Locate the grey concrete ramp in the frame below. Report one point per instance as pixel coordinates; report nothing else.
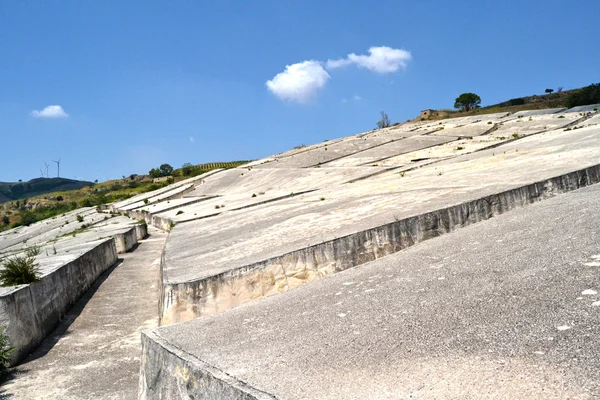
(504, 309)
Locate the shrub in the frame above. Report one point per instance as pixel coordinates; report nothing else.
(19, 270)
(59, 198)
(86, 203)
(179, 212)
(79, 218)
(516, 102)
(384, 122)
(5, 350)
(33, 251)
(515, 135)
(587, 95)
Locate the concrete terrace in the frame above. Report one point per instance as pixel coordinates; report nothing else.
(280, 222)
(406, 261)
(507, 308)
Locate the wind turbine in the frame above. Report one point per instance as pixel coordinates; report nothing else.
(58, 166)
(47, 174)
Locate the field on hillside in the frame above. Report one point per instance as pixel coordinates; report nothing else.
(26, 211)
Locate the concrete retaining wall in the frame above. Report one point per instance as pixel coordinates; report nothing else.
(126, 240)
(141, 231)
(167, 372)
(31, 312)
(188, 300)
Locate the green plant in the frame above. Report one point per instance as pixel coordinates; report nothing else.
(217, 206)
(562, 116)
(253, 194)
(516, 102)
(172, 225)
(86, 203)
(587, 95)
(179, 212)
(460, 148)
(19, 270)
(515, 135)
(146, 201)
(5, 350)
(490, 122)
(322, 198)
(79, 218)
(33, 251)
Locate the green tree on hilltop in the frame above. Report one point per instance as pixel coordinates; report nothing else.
(467, 102)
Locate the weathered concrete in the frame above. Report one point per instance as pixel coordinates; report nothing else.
(72, 254)
(30, 312)
(504, 309)
(95, 351)
(238, 256)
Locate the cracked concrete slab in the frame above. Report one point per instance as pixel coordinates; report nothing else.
(500, 309)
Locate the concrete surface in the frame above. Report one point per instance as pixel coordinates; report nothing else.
(30, 312)
(72, 255)
(226, 264)
(94, 353)
(504, 309)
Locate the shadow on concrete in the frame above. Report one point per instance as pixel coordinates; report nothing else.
(134, 247)
(8, 376)
(62, 329)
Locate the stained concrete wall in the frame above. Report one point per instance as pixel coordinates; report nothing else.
(141, 231)
(169, 373)
(188, 300)
(31, 312)
(125, 241)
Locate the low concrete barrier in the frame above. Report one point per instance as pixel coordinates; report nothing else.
(126, 241)
(170, 373)
(31, 312)
(187, 300)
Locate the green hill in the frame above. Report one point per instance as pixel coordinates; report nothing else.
(20, 190)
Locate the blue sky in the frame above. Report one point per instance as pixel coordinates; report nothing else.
(140, 83)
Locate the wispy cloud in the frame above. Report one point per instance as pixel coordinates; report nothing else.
(356, 98)
(299, 82)
(54, 111)
(380, 59)
(191, 139)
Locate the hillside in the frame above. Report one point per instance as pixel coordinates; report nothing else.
(23, 203)
(560, 99)
(38, 186)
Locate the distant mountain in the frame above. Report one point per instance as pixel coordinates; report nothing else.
(20, 190)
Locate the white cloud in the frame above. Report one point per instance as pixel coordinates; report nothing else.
(357, 97)
(50, 112)
(344, 100)
(299, 82)
(381, 59)
(191, 139)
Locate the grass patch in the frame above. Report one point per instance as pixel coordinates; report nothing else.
(19, 270)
